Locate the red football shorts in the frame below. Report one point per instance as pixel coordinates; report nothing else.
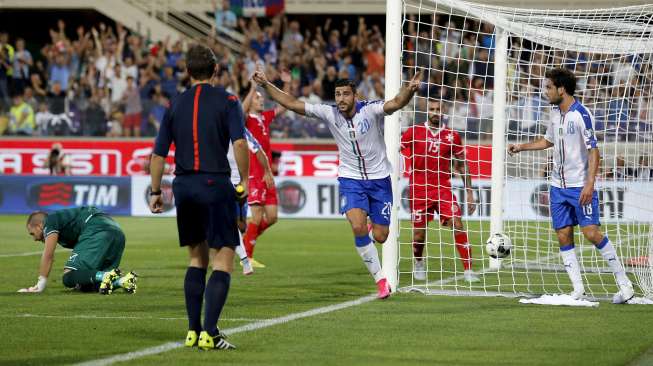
(426, 201)
(260, 194)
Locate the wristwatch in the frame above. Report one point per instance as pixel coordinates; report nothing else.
(155, 193)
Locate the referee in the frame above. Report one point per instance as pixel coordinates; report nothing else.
(201, 122)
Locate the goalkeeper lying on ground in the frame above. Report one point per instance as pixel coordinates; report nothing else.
(97, 243)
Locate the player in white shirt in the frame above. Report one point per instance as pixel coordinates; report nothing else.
(572, 197)
(241, 208)
(364, 169)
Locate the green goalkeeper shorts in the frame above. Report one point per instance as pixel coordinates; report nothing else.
(99, 248)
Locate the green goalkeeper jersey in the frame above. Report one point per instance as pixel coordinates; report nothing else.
(71, 222)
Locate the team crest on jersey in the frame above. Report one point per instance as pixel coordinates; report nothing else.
(363, 126)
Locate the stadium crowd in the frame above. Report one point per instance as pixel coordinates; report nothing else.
(108, 81)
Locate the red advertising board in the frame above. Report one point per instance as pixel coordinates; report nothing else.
(129, 157)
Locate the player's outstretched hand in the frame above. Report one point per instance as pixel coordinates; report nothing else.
(413, 85)
(513, 149)
(156, 204)
(33, 290)
(259, 76)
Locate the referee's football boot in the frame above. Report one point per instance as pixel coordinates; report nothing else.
(106, 286)
(219, 341)
(191, 339)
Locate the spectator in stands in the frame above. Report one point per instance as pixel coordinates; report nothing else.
(620, 171)
(22, 62)
(5, 67)
(644, 171)
(40, 90)
(169, 82)
(117, 82)
(225, 19)
(21, 117)
(29, 98)
(95, 119)
(132, 100)
(60, 71)
(42, 119)
(292, 38)
(60, 123)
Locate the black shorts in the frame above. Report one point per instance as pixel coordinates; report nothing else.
(206, 204)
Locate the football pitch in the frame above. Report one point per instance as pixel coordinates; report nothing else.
(310, 306)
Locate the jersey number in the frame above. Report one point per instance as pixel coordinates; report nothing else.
(434, 146)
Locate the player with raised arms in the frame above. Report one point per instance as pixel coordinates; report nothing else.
(364, 169)
(432, 148)
(572, 197)
(262, 197)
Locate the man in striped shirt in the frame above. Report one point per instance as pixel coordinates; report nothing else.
(572, 196)
(364, 169)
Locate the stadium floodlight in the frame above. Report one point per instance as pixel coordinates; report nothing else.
(485, 65)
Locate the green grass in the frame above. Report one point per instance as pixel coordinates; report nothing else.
(310, 264)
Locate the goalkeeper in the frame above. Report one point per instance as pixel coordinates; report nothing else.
(97, 243)
(572, 196)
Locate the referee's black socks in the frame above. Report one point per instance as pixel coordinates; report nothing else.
(215, 296)
(194, 285)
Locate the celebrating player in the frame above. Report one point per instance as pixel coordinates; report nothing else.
(364, 169)
(262, 197)
(432, 148)
(97, 243)
(573, 199)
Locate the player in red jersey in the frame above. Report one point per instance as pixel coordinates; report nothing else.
(432, 148)
(262, 199)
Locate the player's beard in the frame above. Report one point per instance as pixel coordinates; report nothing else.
(556, 101)
(347, 108)
(434, 121)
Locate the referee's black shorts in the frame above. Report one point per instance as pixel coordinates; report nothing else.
(206, 206)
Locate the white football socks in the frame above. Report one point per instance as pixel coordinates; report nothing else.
(610, 255)
(370, 257)
(572, 267)
(240, 250)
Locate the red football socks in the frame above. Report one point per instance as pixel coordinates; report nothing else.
(464, 250)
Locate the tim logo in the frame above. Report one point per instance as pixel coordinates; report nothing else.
(61, 195)
(54, 194)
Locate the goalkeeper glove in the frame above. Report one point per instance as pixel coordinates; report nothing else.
(39, 287)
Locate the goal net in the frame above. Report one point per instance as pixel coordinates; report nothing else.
(484, 66)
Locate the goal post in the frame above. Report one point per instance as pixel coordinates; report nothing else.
(498, 138)
(485, 66)
(390, 251)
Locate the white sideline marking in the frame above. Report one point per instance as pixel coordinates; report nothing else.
(245, 328)
(82, 316)
(19, 254)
